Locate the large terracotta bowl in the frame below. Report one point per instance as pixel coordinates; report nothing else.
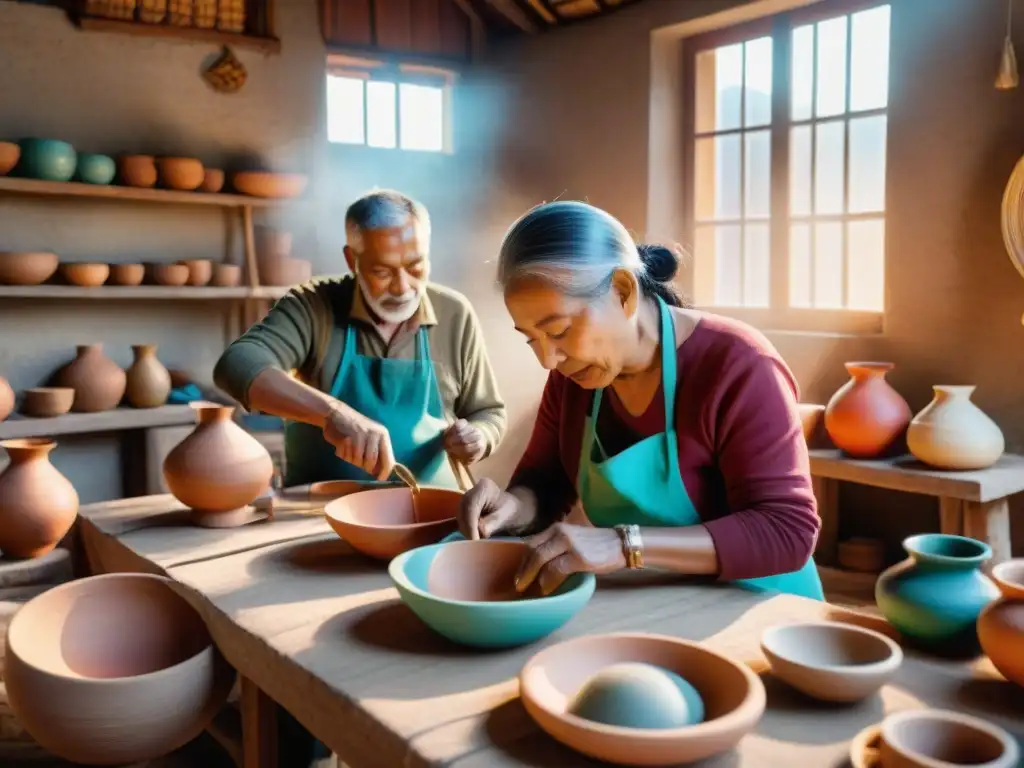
(85, 275)
(23, 268)
(272, 185)
(181, 173)
(932, 738)
(382, 523)
(113, 669)
(734, 698)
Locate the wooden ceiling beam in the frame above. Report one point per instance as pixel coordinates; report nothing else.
(543, 9)
(477, 29)
(511, 11)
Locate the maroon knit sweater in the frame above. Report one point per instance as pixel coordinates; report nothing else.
(742, 454)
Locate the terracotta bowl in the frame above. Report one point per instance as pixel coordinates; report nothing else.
(181, 173)
(213, 180)
(9, 154)
(113, 669)
(285, 271)
(464, 591)
(381, 522)
(734, 698)
(335, 489)
(25, 268)
(931, 738)
(47, 402)
(831, 661)
(265, 184)
(1009, 577)
(174, 275)
(127, 274)
(226, 275)
(85, 275)
(200, 271)
(137, 170)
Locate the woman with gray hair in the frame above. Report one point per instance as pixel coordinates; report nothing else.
(675, 430)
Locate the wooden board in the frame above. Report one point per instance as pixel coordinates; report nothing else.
(117, 420)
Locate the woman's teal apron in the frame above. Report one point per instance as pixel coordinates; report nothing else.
(642, 485)
(400, 394)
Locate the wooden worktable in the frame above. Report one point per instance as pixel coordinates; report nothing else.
(320, 630)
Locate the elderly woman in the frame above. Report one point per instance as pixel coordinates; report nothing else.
(676, 431)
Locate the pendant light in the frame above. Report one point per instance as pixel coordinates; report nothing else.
(1007, 79)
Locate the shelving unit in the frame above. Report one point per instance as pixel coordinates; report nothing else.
(17, 426)
(265, 45)
(11, 185)
(139, 292)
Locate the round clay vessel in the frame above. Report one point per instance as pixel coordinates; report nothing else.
(6, 399)
(98, 381)
(9, 154)
(213, 180)
(47, 402)
(831, 661)
(219, 469)
(953, 433)
(113, 669)
(95, 169)
(936, 594)
(199, 271)
(148, 382)
(1001, 624)
(23, 268)
(734, 698)
(636, 695)
(866, 416)
(810, 419)
(264, 184)
(226, 275)
(127, 274)
(934, 738)
(85, 275)
(38, 505)
(137, 170)
(181, 173)
(47, 159)
(173, 275)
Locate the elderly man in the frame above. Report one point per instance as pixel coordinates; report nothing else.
(372, 368)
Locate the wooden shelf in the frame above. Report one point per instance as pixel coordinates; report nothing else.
(11, 185)
(139, 293)
(265, 45)
(117, 420)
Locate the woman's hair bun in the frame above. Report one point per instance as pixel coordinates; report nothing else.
(661, 263)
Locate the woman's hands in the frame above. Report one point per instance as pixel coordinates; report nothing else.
(486, 510)
(565, 549)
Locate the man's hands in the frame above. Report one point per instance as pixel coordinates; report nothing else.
(360, 441)
(464, 442)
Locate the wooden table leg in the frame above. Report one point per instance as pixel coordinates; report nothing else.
(951, 516)
(259, 727)
(826, 491)
(989, 522)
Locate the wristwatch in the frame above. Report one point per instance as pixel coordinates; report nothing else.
(632, 545)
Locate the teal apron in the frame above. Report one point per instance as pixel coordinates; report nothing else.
(400, 394)
(642, 485)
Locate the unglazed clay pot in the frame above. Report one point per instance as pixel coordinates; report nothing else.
(172, 275)
(9, 154)
(47, 402)
(148, 382)
(226, 275)
(127, 274)
(219, 469)
(199, 271)
(85, 275)
(137, 170)
(213, 180)
(866, 416)
(932, 738)
(181, 173)
(24, 268)
(98, 381)
(272, 185)
(113, 669)
(953, 433)
(38, 505)
(1001, 624)
(6, 399)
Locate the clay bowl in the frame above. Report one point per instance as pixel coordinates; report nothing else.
(174, 275)
(213, 180)
(85, 275)
(137, 170)
(181, 173)
(9, 154)
(226, 275)
(931, 738)
(24, 268)
(127, 274)
(47, 402)
(464, 591)
(734, 698)
(113, 669)
(381, 522)
(200, 271)
(1009, 577)
(335, 489)
(831, 661)
(265, 184)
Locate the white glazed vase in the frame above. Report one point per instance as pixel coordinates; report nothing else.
(953, 433)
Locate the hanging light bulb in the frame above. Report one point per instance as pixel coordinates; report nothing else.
(1007, 79)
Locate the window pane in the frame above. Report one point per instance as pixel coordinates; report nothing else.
(867, 164)
(831, 77)
(421, 110)
(758, 82)
(728, 266)
(869, 59)
(756, 265)
(865, 266)
(380, 114)
(717, 178)
(704, 268)
(719, 88)
(802, 79)
(800, 171)
(758, 175)
(828, 168)
(828, 265)
(345, 116)
(800, 265)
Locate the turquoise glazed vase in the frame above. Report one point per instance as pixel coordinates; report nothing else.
(934, 597)
(47, 159)
(95, 169)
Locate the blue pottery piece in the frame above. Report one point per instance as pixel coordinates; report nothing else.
(486, 624)
(95, 169)
(638, 695)
(46, 159)
(936, 595)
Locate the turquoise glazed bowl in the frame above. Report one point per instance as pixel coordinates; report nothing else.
(935, 596)
(501, 622)
(47, 159)
(95, 169)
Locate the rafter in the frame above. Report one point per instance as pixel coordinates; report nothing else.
(515, 14)
(543, 9)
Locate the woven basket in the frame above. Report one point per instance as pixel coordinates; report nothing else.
(205, 13)
(179, 12)
(111, 9)
(152, 11)
(231, 15)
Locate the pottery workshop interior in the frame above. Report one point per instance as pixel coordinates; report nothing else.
(505, 383)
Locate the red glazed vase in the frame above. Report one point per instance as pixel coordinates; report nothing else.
(866, 416)
(38, 505)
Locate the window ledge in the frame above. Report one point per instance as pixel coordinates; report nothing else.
(826, 323)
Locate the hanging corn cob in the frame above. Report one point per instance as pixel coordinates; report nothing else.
(111, 9)
(179, 12)
(152, 11)
(231, 15)
(205, 13)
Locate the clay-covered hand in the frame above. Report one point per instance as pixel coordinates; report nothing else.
(564, 549)
(464, 442)
(360, 441)
(486, 510)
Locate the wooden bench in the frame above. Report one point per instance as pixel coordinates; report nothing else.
(973, 503)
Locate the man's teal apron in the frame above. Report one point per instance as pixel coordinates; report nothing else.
(400, 394)
(642, 485)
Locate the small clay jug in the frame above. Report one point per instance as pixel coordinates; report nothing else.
(1001, 624)
(6, 399)
(866, 417)
(953, 433)
(148, 382)
(38, 504)
(98, 381)
(219, 469)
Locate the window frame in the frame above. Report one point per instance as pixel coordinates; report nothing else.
(779, 315)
